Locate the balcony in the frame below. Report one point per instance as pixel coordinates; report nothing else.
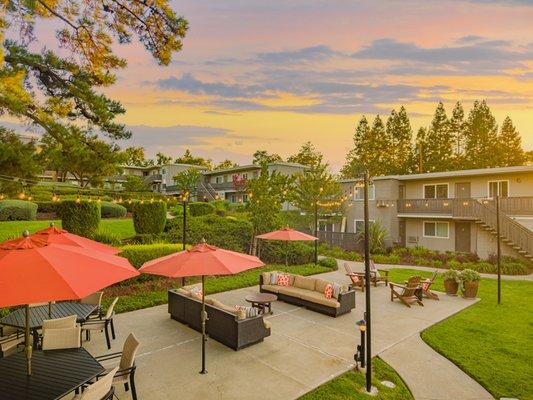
(223, 186)
(462, 208)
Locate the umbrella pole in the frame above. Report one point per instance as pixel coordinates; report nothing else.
(50, 309)
(204, 318)
(27, 340)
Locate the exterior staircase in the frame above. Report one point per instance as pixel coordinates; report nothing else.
(512, 233)
(205, 189)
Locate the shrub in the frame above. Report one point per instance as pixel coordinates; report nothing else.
(198, 209)
(47, 206)
(109, 238)
(384, 259)
(514, 268)
(454, 264)
(17, 210)
(177, 210)
(276, 251)
(130, 204)
(451, 275)
(337, 252)
(138, 254)
(328, 262)
(81, 218)
(148, 238)
(149, 217)
(419, 251)
(469, 275)
(225, 232)
(112, 210)
(376, 237)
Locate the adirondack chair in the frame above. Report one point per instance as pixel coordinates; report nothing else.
(376, 274)
(357, 278)
(426, 284)
(409, 293)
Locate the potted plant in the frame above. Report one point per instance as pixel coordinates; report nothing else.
(469, 283)
(451, 282)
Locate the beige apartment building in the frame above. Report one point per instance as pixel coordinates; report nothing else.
(449, 211)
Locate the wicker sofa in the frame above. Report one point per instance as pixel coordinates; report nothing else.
(309, 293)
(224, 325)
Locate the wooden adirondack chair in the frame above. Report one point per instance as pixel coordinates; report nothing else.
(357, 278)
(378, 275)
(425, 286)
(409, 293)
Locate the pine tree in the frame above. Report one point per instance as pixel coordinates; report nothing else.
(356, 157)
(418, 155)
(457, 129)
(399, 136)
(481, 133)
(438, 144)
(510, 152)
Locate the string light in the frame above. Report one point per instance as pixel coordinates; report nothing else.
(22, 195)
(129, 200)
(78, 199)
(30, 197)
(2, 196)
(99, 200)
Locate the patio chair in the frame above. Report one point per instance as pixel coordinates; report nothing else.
(101, 389)
(425, 286)
(96, 300)
(126, 367)
(102, 324)
(10, 338)
(63, 338)
(375, 274)
(57, 323)
(357, 278)
(409, 292)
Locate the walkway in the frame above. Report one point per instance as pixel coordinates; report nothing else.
(305, 349)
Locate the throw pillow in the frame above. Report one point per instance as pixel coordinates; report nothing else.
(425, 284)
(283, 280)
(196, 291)
(328, 291)
(273, 278)
(248, 311)
(336, 290)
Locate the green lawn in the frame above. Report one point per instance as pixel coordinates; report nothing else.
(349, 385)
(12, 229)
(493, 344)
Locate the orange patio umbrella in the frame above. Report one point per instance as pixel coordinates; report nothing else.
(201, 260)
(56, 235)
(32, 271)
(286, 234)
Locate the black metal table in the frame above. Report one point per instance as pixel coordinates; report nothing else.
(38, 314)
(55, 373)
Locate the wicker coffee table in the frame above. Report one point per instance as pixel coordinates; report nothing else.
(262, 301)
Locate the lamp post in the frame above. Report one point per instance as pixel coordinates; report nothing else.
(360, 353)
(367, 288)
(316, 224)
(184, 198)
(498, 247)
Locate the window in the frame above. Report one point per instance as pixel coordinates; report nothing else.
(500, 188)
(436, 229)
(245, 198)
(436, 191)
(360, 225)
(245, 176)
(359, 193)
(218, 179)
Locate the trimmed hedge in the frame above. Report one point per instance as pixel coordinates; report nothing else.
(149, 217)
(47, 206)
(138, 254)
(329, 262)
(17, 210)
(198, 209)
(80, 218)
(112, 210)
(275, 251)
(225, 232)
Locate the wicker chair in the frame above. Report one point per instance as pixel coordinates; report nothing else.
(102, 324)
(94, 299)
(59, 323)
(101, 389)
(126, 367)
(63, 338)
(10, 338)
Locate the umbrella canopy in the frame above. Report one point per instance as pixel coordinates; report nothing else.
(32, 271)
(201, 260)
(56, 235)
(286, 234)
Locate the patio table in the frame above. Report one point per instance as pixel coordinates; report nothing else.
(38, 314)
(55, 373)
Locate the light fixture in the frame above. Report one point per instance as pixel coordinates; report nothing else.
(22, 195)
(78, 199)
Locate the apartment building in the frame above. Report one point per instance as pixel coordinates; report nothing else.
(449, 211)
(230, 184)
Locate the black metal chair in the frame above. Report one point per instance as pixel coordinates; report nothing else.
(102, 324)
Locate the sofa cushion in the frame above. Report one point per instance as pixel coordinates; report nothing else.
(292, 291)
(271, 288)
(291, 279)
(320, 285)
(267, 324)
(266, 278)
(304, 283)
(319, 298)
(183, 292)
(224, 307)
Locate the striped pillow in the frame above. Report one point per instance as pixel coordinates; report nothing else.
(249, 311)
(336, 290)
(274, 278)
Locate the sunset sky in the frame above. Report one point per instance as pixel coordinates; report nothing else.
(273, 74)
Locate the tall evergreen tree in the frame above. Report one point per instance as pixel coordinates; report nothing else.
(399, 136)
(457, 129)
(481, 133)
(438, 143)
(510, 152)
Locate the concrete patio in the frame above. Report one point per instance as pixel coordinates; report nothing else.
(305, 349)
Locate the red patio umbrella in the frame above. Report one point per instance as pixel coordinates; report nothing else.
(286, 234)
(32, 271)
(201, 260)
(56, 235)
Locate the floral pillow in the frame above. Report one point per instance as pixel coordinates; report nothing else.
(425, 285)
(328, 291)
(283, 280)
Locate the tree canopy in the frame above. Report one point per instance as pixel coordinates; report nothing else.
(188, 158)
(306, 155)
(263, 157)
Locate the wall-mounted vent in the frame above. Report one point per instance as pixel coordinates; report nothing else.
(412, 239)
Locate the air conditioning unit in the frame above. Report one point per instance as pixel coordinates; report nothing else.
(412, 239)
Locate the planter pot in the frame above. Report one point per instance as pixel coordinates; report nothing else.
(451, 288)
(470, 289)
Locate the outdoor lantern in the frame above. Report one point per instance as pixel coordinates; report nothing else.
(359, 356)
